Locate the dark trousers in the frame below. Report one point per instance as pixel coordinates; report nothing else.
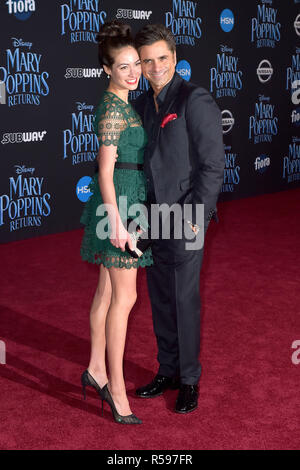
(173, 283)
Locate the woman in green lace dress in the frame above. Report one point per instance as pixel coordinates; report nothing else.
(119, 183)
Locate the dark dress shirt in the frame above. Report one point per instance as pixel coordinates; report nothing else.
(152, 122)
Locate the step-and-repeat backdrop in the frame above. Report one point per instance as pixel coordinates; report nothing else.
(245, 53)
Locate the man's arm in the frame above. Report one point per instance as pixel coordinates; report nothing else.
(205, 131)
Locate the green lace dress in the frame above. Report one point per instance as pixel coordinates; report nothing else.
(116, 123)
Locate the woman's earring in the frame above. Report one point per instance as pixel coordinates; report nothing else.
(108, 76)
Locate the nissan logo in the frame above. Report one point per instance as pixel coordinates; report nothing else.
(297, 25)
(264, 71)
(227, 121)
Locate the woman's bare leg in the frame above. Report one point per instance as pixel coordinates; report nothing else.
(98, 314)
(123, 282)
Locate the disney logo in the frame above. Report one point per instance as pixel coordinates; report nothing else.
(23, 169)
(296, 139)
(267, 1)
(264, 98)
(227, 147)
(20, 43)
(226, 49)
(298, 50)
(82, 106)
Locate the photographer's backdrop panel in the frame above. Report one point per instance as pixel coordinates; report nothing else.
(245, 53)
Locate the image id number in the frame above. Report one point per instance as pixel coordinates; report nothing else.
(171, 459)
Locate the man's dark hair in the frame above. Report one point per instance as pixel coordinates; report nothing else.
(152, 33)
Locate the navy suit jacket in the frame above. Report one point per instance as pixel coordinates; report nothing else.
(187, 163)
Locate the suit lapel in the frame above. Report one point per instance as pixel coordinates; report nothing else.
(169, 99)
(171, 96)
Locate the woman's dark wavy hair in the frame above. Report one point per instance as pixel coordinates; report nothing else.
(113, 36)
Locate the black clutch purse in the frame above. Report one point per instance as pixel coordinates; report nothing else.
(140, 239)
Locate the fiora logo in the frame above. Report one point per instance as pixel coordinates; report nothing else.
(227, 20)
(22, 9)
(184, 70)
(82, 191)
(264, 71)
(261, 163)
(295, 117)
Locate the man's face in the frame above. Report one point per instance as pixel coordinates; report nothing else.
(158, 63)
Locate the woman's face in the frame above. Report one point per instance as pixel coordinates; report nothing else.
(126, 69)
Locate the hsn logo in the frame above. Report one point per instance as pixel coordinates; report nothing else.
(82, 191)
(227, 20)
(184, 70)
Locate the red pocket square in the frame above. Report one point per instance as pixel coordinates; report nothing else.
(168, 118)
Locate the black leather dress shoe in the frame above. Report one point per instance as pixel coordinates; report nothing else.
(159, 384)
(187, 399)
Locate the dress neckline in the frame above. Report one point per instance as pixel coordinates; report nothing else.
(111, 93)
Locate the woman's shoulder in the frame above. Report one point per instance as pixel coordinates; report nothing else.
(110, 105)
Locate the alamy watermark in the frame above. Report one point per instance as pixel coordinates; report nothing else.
(2, 352)
(296, 354)
(166, 222)
(2, 92)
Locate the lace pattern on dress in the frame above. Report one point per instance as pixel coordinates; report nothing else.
(113, 117)
(123, 261)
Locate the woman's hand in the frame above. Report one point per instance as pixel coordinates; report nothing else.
(119, 237)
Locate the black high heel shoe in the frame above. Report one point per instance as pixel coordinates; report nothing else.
(87, 379)
(130, 419)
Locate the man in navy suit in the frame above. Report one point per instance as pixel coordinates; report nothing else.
(184, 164)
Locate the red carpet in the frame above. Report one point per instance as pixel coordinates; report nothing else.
(249, 390)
